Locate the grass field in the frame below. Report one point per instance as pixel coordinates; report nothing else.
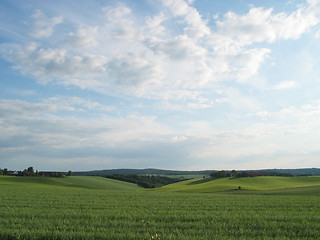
(46, 208)
(89, 182)
(249, 183)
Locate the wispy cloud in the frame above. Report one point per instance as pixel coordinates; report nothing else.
(43, 25)
(55, 64)
(83, 38)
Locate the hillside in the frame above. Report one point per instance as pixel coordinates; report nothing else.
(88, 182)
(309, 185)
(246, 184)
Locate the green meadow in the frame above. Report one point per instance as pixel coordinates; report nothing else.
(90, 182)
(100, 208)
(247, 184)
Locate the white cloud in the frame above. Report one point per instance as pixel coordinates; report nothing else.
(197, 27)
(245, 29)
(135, 71)
(18, 108)
(44, 26)
(56, 64)
(122, 26)
(172, 51)
(42, 119)
(285, 85)
(263, 114)
(153, 25)
(178, 139)
(245, 64)
(35, 130)
(83, 38)
(259, 25)
(178, 48)
(275, 139)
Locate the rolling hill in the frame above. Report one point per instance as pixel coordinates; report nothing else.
(248, 185)
(268, 185)
(88, 182)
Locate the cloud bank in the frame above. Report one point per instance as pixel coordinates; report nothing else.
(170, 88)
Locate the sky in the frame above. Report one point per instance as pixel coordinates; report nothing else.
(170, 84)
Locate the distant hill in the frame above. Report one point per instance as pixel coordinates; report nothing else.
(249, 185)
(152, 171)
(297, 172)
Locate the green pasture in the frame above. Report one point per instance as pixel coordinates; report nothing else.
(247, 184)
(98, 208)
(293, 191)
(89, 182)
(34, 212)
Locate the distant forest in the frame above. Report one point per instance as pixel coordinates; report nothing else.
(30, 172)
(145, 181)
(168, 173)
(147, 171)
(205, 173)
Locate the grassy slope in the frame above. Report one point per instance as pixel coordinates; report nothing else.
(252, 184)
(297, 191)
(89, 182)
(256, 185)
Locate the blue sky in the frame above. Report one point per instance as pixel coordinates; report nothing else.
(166, 84)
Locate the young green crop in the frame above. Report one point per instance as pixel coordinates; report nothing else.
(248, 183)
(89, 182)
(33, 212)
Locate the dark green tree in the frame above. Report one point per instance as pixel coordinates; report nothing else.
(218, 174)
(30, 170)
(60, 174)
(234, 173)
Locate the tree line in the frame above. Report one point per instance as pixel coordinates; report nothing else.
(238, 174)
(145, 181)
(30, 172)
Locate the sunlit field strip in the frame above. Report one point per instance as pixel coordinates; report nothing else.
(248, 183)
